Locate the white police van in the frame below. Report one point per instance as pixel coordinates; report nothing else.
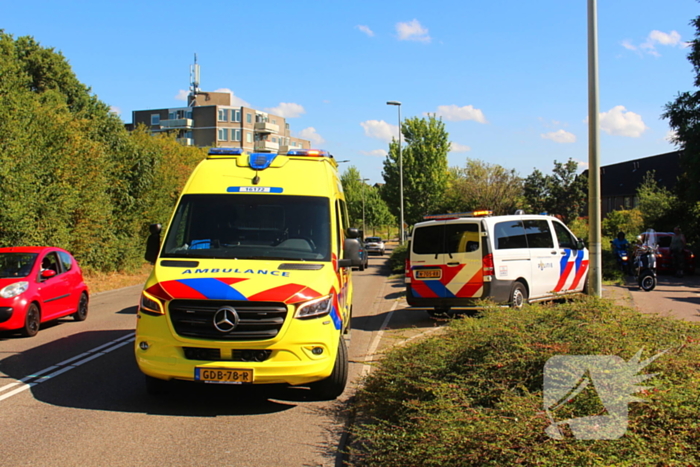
(459, 260)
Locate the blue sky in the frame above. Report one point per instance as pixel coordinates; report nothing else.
(508, 77)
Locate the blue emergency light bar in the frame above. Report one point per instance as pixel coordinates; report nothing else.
(309, 152)
(261, 160)
(225, 151)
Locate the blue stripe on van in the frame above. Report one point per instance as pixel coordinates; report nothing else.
(213, 289)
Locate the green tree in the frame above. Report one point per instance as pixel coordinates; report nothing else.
(563, 193)
(352, 187)
(377, 214)
(481, 185)
(655, 203)
(683, 114)
(424, 161)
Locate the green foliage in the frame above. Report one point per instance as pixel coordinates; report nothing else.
(397, 260)
(72, 176)
(472, 396)
(683, 114)
(561, 194)
(629, 221)
(481, 185)
(424, 164)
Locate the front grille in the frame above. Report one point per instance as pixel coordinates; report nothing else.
(237, 355)
(257, 320)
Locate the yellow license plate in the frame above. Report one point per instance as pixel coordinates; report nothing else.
(223, 375)
(428, 274)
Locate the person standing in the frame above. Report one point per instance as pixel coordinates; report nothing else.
(677, 246)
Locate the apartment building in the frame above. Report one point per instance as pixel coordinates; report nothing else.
(211, 120)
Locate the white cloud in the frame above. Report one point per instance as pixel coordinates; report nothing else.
(182, 95)
(310, 134)
(456, 147)
(235, 100)
(412, 31)
(654, 39)
(287, 110)
(582, 165)
(115, 110)
(618, 121)
(379, 129)
(560, 136)
(671, 136)
(375, 153)
(365, 29)
(453, 113)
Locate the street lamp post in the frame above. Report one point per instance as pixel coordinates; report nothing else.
(401, 238)
(363, 180)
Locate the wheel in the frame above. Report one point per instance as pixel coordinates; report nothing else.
(333, 386)
(32, 321)
(518, 295)
(82, 311)
(155, 386)
(647, 282)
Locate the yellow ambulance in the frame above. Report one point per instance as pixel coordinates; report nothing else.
(252, 281)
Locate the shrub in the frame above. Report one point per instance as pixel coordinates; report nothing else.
(473, 396)
(397, 260)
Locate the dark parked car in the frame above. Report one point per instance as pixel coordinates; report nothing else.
(39, 284)
(664, 261)
(374, 245)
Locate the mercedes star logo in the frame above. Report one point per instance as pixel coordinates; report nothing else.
(226, 319)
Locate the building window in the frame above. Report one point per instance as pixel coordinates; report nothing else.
(249, 137)
(172, 115)
(235, 135)
(235, 115)
(187, 134)
(223, 115)
(223, 134)
(155, 119)
(249, 118)
(188, 114)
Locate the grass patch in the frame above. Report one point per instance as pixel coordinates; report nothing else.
(473, 396)
(103, 281)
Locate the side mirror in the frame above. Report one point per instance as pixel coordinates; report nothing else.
(353, 232)
(351, 253)
(580, 245)
(153, 243)
(47, 273)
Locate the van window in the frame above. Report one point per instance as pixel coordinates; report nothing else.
(462, 238)
(510, 235)
(428, 240)
(538, 234)
(564, 237)
(248, 226)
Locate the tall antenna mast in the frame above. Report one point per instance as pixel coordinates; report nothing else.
(194, 81)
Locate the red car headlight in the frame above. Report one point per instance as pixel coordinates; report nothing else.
(15, 289)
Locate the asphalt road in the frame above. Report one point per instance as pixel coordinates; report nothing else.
(73, 395)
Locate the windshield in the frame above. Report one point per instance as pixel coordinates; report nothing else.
(250, 226)
(16, 264)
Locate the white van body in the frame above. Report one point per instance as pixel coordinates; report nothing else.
(459, 261)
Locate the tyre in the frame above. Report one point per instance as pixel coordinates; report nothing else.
(333, 386)
(518, 295)
(32, 321)
(647, 282)
(82, 311)
(155, 386)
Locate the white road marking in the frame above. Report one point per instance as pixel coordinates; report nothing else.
(66, 365)
(375, 342)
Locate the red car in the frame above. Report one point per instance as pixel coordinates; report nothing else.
(664, 262)
(39, 284)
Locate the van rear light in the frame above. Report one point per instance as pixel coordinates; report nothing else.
(487, 264)
(407, 270)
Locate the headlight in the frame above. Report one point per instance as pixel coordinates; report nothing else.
(315, 308)
(15, 289)
(150, 304)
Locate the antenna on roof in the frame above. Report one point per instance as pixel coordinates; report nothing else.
(194, 81)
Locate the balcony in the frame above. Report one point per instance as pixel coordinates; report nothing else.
(266, 146)
(185, 141)
(176, 124)
(266, 127)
